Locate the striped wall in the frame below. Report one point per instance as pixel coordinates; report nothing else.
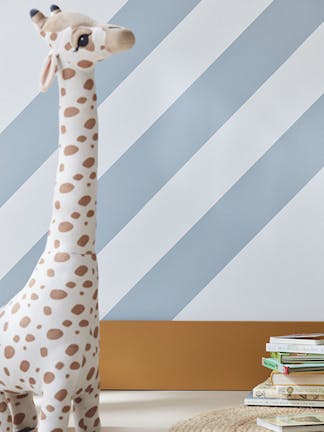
(211, 191)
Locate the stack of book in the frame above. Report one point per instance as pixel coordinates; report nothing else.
(297, 377)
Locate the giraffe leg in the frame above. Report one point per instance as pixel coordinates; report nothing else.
(86, 410)
(54, 414)
(5, 414)
(23, 410)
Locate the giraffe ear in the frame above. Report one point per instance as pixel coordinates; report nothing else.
(48, 71)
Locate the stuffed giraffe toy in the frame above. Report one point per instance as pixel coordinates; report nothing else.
(49, 339)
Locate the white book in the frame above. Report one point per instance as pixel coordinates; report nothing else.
(294, 422)
(302, 338)
(250, 400)
(297, 348)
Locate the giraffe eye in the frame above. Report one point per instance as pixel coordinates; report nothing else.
(83, 40)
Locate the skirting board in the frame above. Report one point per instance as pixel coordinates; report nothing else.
(188, 355)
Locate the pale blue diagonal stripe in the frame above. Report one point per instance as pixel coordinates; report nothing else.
(230, 225)
(28, 141)
(254, 56)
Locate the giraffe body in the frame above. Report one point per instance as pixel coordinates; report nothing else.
(49, 342)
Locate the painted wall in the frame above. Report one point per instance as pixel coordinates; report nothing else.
(211, 158)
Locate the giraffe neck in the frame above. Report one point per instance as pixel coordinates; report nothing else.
(73, 222)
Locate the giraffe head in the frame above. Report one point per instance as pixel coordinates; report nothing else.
(77, 40)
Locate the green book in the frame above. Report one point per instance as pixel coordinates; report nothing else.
(286, 357)
(275, 365)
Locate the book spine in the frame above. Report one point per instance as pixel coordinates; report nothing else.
(276, 394)
(296, 379)
(295, 348)
(299, 341)
(299, 390)
(284, 357)
(284, 402)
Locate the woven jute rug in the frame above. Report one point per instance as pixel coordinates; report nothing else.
(234, 419)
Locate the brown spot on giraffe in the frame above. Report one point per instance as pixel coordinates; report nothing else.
(84, 201)
(9, 351)
(18, 418)
(70, 150)
(81, 270)
(48, 377)
(81, 138)
(24, 365)
(47, 310)
(88, 85)
(71, 111)
(24, 322)
(57, 294)
(50, 273)
(89, 162)
(54, 334)
(83, 240)
(78, 177)
(67, 323)
(91, 412)
(89, 124)
(77, 309)
(66, 187)
(59, 365)
(83, 323)
(68, 73)
(61, 395)
(85, 64)
(75, 365)
(65, 226)
(61, 257)
(72, 349)
(82, 100)
(44, 352)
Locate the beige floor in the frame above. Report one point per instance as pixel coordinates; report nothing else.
(156, 411)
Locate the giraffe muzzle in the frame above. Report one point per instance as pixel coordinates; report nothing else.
(119, 39)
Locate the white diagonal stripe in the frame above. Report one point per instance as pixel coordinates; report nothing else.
(281, 269)
(32, 50)
(281, 100)
(171, 58)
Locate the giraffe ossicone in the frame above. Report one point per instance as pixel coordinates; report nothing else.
(49, 341)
